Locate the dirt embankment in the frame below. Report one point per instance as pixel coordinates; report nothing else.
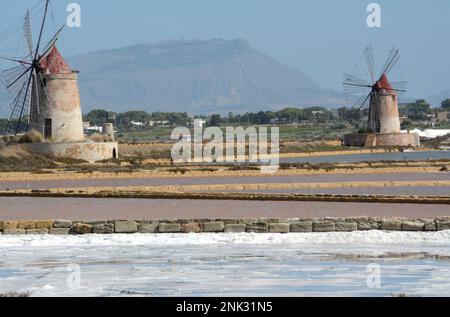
(18, 164)
(162, 151)
(66, 174)
(176, 194)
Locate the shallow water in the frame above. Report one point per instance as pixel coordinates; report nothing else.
(415, 264)
(13, 208)
(356, 158)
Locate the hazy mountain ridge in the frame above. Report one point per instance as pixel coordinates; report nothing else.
(194, 76)
(436, 100)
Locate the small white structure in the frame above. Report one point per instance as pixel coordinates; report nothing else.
(429, 133)
(199, 123)
(161, 123)
(93, 129)
(138, 124)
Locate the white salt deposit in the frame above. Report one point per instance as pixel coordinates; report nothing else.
(311, 264)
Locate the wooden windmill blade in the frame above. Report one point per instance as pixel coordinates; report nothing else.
(16, 80)
(370, 62)
(355, 87)
(34, 102)
(391, 61)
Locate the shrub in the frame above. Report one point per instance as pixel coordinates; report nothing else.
(97, 137)
(31, 136)
(10, 139)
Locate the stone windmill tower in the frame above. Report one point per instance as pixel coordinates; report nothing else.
(45, 98)
(383, 110)
(56, 110)
(382, 98)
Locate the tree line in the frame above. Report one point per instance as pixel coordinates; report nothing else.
(124, 120)
(420, 110)
(98, 117)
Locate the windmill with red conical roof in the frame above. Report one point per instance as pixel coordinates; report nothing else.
(381, 97)
(378, 93)
(44, 90)
(46, 98)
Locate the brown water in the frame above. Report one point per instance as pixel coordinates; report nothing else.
(187, 180)
(99, 209)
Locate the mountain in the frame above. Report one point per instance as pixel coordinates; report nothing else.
(436, 100)
(194, 76)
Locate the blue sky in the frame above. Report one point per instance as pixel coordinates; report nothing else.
(324, 38)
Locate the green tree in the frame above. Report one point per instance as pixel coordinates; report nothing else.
(3, 124)
(407, 125)
(291, 114)
(419, 110)
(446, 104)
(351, 115)
(216, 119)
(173, 117)
(231, 118)
(123, 120)
(99, 116)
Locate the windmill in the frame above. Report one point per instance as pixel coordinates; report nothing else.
(46, 98)
(378, 93)
(23, 81)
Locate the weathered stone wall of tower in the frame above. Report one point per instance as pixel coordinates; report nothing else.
(382, 140)
(388, 113)
(59, 115)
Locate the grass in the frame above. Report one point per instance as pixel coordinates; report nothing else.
(147, 135)
(312, 147)
(286, 133)
(16, 158)
(8, 164)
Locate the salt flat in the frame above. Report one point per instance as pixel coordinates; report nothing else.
(328, 264)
